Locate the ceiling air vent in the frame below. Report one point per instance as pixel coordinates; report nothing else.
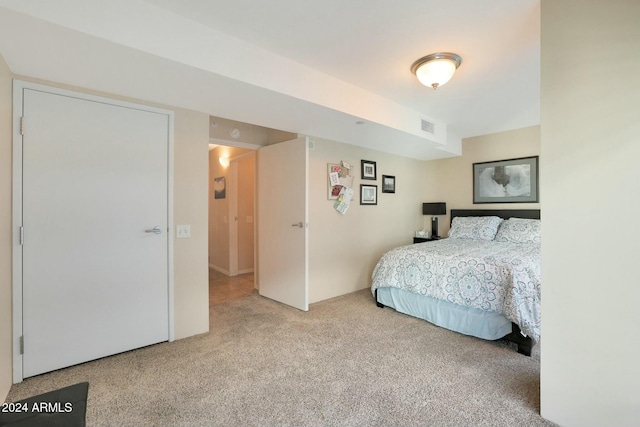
(426, 126)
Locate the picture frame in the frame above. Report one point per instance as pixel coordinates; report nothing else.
(368, 170)
(388, 184)
(338, 176)
(219, 188)
(506, 181)
(334, 186)
(368, 194)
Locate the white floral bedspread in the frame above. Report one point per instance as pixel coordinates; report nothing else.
(489, 275)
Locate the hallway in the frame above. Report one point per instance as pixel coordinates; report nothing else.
(223, 288)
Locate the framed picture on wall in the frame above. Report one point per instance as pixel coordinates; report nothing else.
(506, 181)
(388, 184)
(219, 188)
(368, 194)
(368, 170)
(338, 177)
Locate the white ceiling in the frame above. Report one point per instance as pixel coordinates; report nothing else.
(315, 67)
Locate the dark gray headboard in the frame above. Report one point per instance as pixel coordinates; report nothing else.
(502, 213)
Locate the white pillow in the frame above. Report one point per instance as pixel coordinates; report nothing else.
(519, 230)
(474, 227)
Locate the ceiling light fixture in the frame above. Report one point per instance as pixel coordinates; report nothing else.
(436, 69)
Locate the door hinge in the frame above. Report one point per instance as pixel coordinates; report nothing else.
(21, 125)
(21, 235)
(22, 344)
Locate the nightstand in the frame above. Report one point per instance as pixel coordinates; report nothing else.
(425, 239)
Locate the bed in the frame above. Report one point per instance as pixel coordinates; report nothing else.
(483, 281)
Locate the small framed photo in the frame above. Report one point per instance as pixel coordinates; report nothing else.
(368, 194)
(388, 184)
(219, 188)
(368, 170)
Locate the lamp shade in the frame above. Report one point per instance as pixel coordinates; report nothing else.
(439, 208)
(436, 69)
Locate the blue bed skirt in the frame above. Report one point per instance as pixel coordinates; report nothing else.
(487, 325)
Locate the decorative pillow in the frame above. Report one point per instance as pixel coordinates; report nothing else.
(519, 230)
(474, 227)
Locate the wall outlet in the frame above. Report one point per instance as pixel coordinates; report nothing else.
(183, 231)
(249, 220)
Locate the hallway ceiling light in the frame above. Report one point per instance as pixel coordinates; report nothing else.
(436, 69)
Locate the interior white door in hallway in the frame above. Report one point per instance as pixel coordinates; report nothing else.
(283, 266)
(95, 218)
(241, 192)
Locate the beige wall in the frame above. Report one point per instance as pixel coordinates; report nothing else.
(343, 249)
(6, 347)
(454, 176)
(191, 136)
(191, 275)
(590, 375)
(218, 214)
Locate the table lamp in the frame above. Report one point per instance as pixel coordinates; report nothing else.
(439, 208)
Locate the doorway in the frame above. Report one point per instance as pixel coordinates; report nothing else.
(231, 223)
(233, 166)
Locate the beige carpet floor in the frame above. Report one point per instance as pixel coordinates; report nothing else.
(346, 362)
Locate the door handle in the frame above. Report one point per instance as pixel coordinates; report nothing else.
(299, 224)
(154, 230)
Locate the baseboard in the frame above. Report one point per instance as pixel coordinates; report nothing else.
(221, 270)
(4, 389)
(227, 272)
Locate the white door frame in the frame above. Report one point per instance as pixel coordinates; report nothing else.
(18, 88)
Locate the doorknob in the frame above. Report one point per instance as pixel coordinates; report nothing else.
(154, 230)
(299, 224)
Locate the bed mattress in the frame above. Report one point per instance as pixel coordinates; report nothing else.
(500, 278)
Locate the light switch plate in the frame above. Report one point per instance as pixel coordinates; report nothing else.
(183, 231)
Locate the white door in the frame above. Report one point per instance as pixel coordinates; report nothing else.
(95, 217)
(282, 222)
(234, 216)
(241, 213)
